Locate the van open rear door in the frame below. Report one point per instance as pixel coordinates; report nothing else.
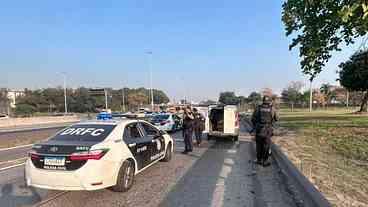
(230, 119)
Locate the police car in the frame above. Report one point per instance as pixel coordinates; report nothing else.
(96, 155)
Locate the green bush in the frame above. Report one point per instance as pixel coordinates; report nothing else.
(24, 110)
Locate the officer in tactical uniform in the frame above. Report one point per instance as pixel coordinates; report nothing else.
(188, 130)
(198, 125)
(263, 118)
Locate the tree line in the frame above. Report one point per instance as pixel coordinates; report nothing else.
(293, 96)
(80, 100)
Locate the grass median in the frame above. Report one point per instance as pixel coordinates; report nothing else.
(331, 149)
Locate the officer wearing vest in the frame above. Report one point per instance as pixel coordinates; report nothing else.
(263, 118)
(198, 125)
(188, 130)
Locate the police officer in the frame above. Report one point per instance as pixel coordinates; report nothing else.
(263, 118)
(188, 130)
(198, 126)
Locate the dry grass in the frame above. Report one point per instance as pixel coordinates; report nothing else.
(332, 151)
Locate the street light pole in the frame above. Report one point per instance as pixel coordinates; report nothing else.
(65, 103)
(310, 96)
(122, 91)
(105, 99)
(150, 71)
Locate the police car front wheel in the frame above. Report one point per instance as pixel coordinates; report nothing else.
(168, 154)
(125, 177)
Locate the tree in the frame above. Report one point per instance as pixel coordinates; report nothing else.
(320, 26)
(319, 98)
(328, 91)
(4, 101)
(160, 97)
(25, 110)
(228, 98)
(254, 98)
(292, 94)
(353, 75)
(304, 98)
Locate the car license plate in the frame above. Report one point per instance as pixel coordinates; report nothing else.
(54, 161)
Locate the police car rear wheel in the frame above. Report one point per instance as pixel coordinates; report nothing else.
(168, 154)
(125, 178)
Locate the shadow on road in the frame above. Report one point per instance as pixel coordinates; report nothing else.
(226, 176)
(218, 178)
(13, 195)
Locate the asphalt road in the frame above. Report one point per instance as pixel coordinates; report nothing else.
(220, 173)
(14, 193)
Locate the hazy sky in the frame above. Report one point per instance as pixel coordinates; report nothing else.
(199, 47)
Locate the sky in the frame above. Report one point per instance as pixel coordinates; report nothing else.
(199, 48)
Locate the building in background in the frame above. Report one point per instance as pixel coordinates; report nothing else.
(13, 95)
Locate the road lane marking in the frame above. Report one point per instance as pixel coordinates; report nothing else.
(13, 166)
(10, 148)
(9, 161)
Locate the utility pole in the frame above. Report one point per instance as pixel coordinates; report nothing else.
(122, 93)
(310, 96)
(105, 99)
(65, 103)
(150, 71)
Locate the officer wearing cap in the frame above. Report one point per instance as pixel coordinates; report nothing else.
(263, 119)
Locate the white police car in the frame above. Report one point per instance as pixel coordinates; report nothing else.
(96, 155)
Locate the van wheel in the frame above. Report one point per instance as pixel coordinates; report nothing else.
(236, 138)
(168, 154)
(125, 178)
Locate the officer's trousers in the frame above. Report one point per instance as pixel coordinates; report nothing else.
(198, 134)
(188, 141)
(263, 148)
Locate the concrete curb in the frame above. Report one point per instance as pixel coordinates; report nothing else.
(312, 196)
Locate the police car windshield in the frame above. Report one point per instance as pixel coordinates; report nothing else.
(84, 133)
(159, 118)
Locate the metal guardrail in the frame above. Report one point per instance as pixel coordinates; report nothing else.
(311, 196)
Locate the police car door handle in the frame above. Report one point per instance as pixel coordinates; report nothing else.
(117, 141)
(132, 145)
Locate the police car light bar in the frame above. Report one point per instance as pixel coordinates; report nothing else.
(104, 116)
